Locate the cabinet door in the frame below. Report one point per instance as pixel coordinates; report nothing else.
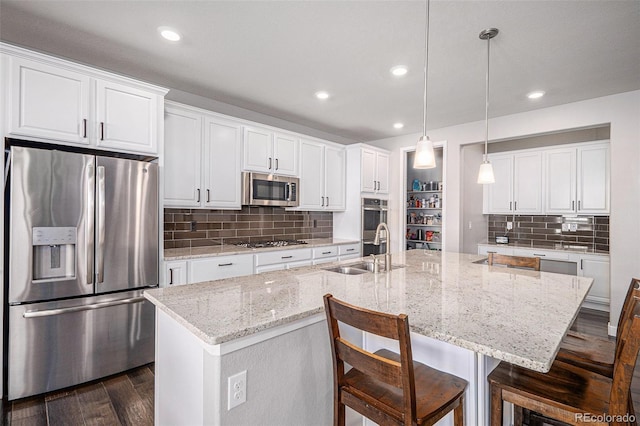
(598, 269)
(560, 181)
(335, 181)
(382, 172)
(500, 194)
(527, 183)
(593, 179)
(285, 153)
(311, 175)
(127, 118)
(368, 177)
(182, 153)
(222, 150)
(258, 150)
(175, 273)
(48, 102)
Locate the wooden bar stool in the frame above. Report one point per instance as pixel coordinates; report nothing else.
(596, 353)
(569, 393)
(384, 386)
(515, 261)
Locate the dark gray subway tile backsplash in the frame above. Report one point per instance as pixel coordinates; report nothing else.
(198, 228)
(591, 231)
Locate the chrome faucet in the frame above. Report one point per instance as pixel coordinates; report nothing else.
(376, 241)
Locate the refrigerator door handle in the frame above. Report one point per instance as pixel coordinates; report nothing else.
(90, 221)
(100, 212)
(89, 307)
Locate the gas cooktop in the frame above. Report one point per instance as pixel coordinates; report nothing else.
(275, 243)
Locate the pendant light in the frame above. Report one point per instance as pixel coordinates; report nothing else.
(485, 175)
(425, 157)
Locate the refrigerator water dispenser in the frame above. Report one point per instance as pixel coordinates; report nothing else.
(54, 253)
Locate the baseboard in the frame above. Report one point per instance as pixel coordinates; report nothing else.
(611, 329)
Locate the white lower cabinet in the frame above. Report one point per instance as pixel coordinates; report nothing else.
(175, 273)
(282, 259)
(219, 267)
(349, 251)
(596, 267)
(325, 254)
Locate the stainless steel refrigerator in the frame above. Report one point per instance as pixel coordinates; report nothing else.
(82, 247)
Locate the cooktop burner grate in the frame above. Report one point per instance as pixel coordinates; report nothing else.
(275, 243)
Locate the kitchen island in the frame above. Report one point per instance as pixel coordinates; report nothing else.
(464, 319)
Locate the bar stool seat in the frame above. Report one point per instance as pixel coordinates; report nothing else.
(436, 391)
(384, 386)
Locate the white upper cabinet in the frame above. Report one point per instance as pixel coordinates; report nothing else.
(285, 153)
(375, 171)
(183, 159)
(48, 102)
(499, 195)
(270, 152)
(221, 153)
(577, 180)
(560, 182)
(127, 117)
(335, 177)
(322, 176)
(202, 159)
(57, 101)
(572, 179)
(593, 179)
(527, 183)
(518, 185)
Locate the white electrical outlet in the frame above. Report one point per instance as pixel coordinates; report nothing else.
(509, 226)
(573, 227)
(237, 389)
(565, 227)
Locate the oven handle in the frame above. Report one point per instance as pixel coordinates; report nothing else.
(89, 307)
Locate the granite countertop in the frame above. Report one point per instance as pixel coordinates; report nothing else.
(228, 249)
(570, 248)
(513, 315)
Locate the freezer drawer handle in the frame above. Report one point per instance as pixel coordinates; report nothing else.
(90, 307)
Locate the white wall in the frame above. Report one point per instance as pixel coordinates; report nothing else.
(621, 111)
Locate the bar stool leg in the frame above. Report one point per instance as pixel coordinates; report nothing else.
(496, 406)
(458, 414)
(518, 416)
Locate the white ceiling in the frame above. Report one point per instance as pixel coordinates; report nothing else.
(272, 56)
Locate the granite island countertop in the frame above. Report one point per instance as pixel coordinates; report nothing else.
(513, 315)
(229, 249)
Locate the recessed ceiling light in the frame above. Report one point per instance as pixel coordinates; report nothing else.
(322, 95)
(399, 70)
(398, 125)
(169, 33)
(535, 95)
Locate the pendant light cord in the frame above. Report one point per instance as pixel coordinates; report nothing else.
(426, 70)
(486, 106)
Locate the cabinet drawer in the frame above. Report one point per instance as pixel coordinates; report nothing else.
(542, 254)
(283, 256)
(219, 267)
(494, 249)
(320, 252)
(349, 249)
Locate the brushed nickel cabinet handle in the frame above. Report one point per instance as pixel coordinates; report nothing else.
(579, 207)
(198, 192)
(322, 202)
(101, 131)
(269, 163)
(276, 164)
(170, 276)
(208, 196)
(573, 205)
(510, 203)
(84, 127)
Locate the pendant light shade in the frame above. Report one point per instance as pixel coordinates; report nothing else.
(425, 157)
(485, 175)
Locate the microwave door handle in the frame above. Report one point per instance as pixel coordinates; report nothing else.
(287, 191)
(100, 213)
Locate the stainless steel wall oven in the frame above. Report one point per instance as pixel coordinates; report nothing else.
(374, 211)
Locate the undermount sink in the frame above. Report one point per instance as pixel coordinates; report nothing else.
(359, 268)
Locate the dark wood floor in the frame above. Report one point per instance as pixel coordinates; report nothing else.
(123, 399)
(127, 399)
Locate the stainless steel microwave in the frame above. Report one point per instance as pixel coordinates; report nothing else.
(261, 189)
